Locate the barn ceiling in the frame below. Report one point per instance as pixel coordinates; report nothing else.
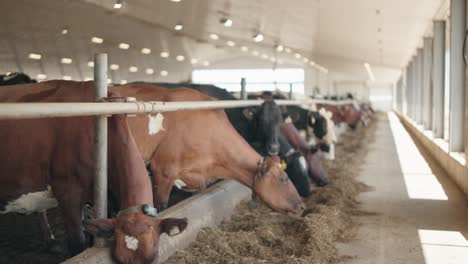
(338, 35)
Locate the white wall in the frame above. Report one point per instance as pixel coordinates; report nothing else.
(381, 96)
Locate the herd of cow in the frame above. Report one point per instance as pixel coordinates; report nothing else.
(45, 163)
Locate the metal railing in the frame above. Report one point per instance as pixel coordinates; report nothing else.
(103, 109)
(46, 110)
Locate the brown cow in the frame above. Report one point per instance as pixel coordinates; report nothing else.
(190, 149)
(49, 162)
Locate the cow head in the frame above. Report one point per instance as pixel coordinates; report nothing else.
(266, 120)
(316, 171)
(330, 137)
(318, 123)
(136, 235)
(273, 186)
(351, 116)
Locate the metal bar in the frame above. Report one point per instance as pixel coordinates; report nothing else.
(243, 89)
(100, 141)
(419, 86)
(44, 110)
(290, 91)
(438, 78)
(427, 84)
(457, 75)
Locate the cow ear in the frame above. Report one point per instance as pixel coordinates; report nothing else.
(172, 226)
(100, 227)
(249, 113)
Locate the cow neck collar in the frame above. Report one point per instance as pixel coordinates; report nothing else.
(260, 173)
(139, 209)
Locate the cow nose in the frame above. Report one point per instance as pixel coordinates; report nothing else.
(273, 149)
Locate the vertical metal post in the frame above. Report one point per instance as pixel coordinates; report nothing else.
(243, 89)
(419, 87)
(427, 85)
(100, 141)
(457, 75)
(290, 91)
(438, 79)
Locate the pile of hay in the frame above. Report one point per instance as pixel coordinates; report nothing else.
(264, 236)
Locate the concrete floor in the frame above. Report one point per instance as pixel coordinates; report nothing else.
(421, 216)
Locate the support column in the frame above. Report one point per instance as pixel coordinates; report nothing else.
(457, 75)
(419, 86)
(427, 84)
(438, 79)
(100, 143)
(243, 89)
(409, 89)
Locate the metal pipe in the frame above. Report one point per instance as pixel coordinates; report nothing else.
(243, 89)
(290, 91)
(438, 78)
(44, 110)
(427, 85)
(457, 75)
(100, 143)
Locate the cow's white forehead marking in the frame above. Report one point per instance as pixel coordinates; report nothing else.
(32, 202)
(303, 162)
(155, 123)
(288, 120)
(131, 242)
(179, 183)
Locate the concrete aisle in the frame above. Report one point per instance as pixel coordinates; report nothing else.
(421, 216)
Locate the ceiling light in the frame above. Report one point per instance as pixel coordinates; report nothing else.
(123, 82)
(109, 81)
(133, 69)
(91, 64)
(227, 22)
(66, 60)
(288, 50)
(175, 1)
(272, 59)
(297, 55)
(149, 71)
(34, 56)
(164, 54)
(214, 36)
(230, 43)
(97, 40)
(258, 37)
(244, 49)
(193, 61)
(306, 60)
(180, 58)
(255, 53)
(264, 56)
(118, 4)
(114, 67)
(311, 63)
(279, 48)
(178, 27)
(124, 46)
(164, 73)
(41, 76)
(64, 30)
(66, 77)
(206, 63)
(369, 71)
(145, 51)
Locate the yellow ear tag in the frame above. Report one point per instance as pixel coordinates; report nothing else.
(312, 120)
(283, 164)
